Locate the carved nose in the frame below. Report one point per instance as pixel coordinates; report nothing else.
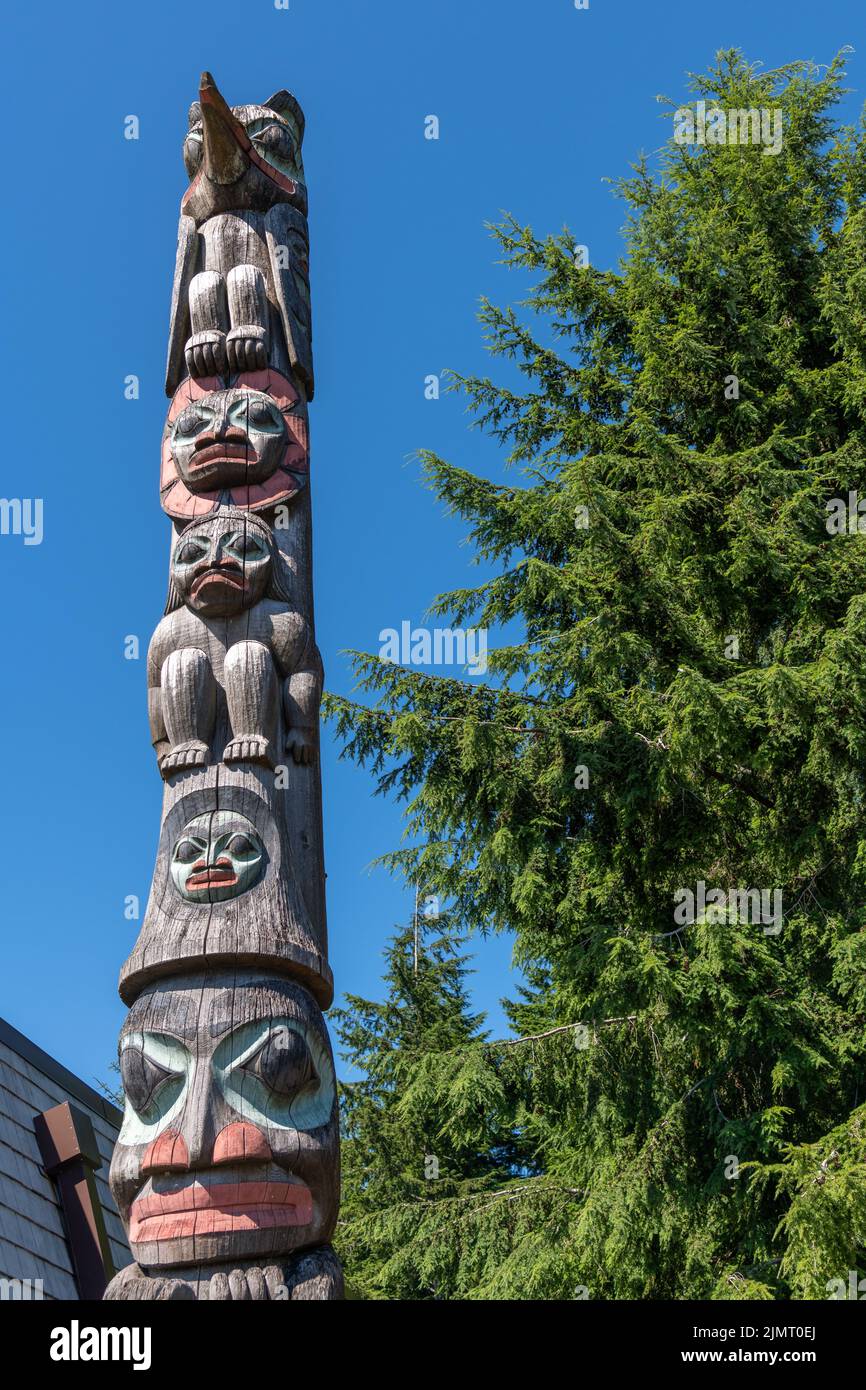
(167, 1154)
(239, 1141)
(221, 559)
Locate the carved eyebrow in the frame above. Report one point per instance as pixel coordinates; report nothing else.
(186, 1032)
(249, 402)
(271, 117)
(234, 1025)
(218, 1030)
(248, 538)
(178, 1031)
(198, 411)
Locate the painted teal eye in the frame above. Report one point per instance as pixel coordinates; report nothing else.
(191, 552)
(259, 414)
(245, 548)
(155, 1069)
(240, 847)
(270, 134)
(192, 152)
(145, 1081)
(276, 142)
(284, 1064)
(189, 422)
(189, 850)
(277, 1074)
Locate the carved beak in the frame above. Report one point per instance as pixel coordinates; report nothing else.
(225, 152)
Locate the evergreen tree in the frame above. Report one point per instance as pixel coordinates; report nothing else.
(409, 1164)
(684, 705)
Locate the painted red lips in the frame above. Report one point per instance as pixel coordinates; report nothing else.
(220, 453)
(220, 576)
(196, 1210)
(218, 875)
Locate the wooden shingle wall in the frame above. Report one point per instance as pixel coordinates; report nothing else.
(32, 1241)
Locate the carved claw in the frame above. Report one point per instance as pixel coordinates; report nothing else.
(301, 745)
(314, 1276)
(249, 1285)
(206, 353)
(247, 348)
(185, 755)
(131, 1284)
(249, 748)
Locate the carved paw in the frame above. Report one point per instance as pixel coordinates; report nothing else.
(313, 1276)
(317, 1277)
(249, 1285)
(184, 756)
(133, 1285)
(249, 748)
(247, 348)
(301, 745)
(206, 353)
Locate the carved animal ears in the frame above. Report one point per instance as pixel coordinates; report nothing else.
(286, 105)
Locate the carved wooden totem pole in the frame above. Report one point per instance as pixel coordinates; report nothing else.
(226, 1170)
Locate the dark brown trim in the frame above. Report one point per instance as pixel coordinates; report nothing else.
(71, 1157)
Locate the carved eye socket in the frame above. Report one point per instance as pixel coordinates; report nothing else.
(246, 547)
(191, 552)
(272, 135)
(260, 413)
(192, 148)
(143, 1078)
(189, 422)
(240, 847)
(276, 143)
(284, 1064)
(187, 850)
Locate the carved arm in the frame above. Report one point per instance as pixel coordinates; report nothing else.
(300, 664)
(156, 654)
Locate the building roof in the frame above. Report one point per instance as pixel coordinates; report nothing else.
(33, 1242)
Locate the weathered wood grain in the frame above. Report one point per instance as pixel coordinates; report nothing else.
(246, 207)
(312, 1276)
(226, 1172)
(268, 925)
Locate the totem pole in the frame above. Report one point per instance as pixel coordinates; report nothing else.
(226, 1170)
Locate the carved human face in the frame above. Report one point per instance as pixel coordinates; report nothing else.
(229, 1143)
(228, 438)
(219, 442)
(218, 855)
(222, 566)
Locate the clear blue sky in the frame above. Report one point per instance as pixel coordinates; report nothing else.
(538, 102)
